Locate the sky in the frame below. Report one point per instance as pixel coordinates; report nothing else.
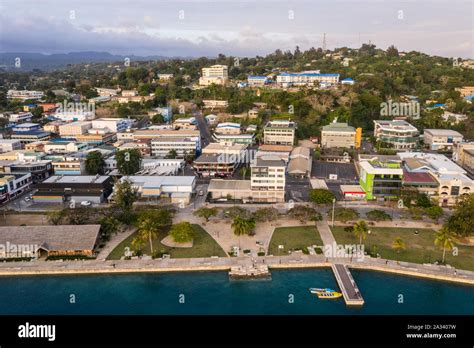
(240, 28)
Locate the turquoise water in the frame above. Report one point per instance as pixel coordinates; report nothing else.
(213, 293)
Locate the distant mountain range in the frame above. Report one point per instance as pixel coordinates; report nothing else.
(30, 61)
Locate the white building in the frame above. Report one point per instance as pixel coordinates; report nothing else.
(185, 123)
(214, 104)
(112, 124)
(7, 145)
(64, 147)
(24, 94)
(216, 74)
(338, 135)
(453, 118)
(19, 117)
(279, 132)
(74, 115)
(306, 78)
(162, 146)
(107, 92)
(75, 128)
(257, 81)
(164, 77)
(400, 134)
(441, 139)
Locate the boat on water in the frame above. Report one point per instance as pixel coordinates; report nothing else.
(325, 293)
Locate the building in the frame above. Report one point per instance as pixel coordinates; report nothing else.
(74, 128)
(53, 127)
(348, 81)
(463, 154)
(306, 78)
(352, 192)
(453, 118)
(111, 124)
(381, 177)
(39, 170)
(161, 147)
(59, 189)
(257, 81)
(279, 132)
(107, 92)
(24, 94)
(7, 145)
(31, 136)
(164, 77)
(338, 135)
(247, 139)
(215, 104)
(26, 127)
(178, 189)
(18, 117)
(421, 182)
(129, 93)
(465, 90)
(227, 128)
(12, 185)
(71, 116)
(266, 185)
(96, 137)
(280, 151)
(64, 147)
(165, 111)
(68, 165)
(452, 181)
(216, 74)
(133, 99)
(399, 134)
(185, 123)
(211, 119)
(441, 139)
(51, 240)
(300, 162)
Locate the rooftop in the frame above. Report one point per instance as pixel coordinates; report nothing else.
(81, 179)
(338, 127)
(232, 185)
(275, 148)
(50, 237)
(260, 162)
(443, 132)
(399, 125)
(158, 181)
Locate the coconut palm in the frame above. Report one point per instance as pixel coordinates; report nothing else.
(360, 230)
(398, 244)
(147, 230)
(444, 240)
(242, 226)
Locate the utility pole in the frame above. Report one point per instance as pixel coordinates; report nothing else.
(333, 206)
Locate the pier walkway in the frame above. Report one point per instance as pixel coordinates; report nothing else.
(349, 289)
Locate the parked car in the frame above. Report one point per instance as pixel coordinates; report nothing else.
(86, 203)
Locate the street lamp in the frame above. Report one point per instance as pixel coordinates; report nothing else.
(333, 206)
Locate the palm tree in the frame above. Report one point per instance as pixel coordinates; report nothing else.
(360, 230)
(398, 244)
(147, 229)
(242, 226)
(444, 240)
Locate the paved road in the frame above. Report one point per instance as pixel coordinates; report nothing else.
(203, 128)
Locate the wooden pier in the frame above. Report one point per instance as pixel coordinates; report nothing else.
(349, 289)
(249, 272)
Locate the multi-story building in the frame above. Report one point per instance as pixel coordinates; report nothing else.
(13, 185)
(257, 81)
(220, 160)
(7, 145)
(129, 93)
(39, 170)
(164, 77)
(107, 92)
(24, 94)
(31, 136)
(465, 90)
(112, 124)
(74, 128)
(228, 128)
(247, 139)
(69, 166)
(398, 133)
(26, 127)
(58, 189)
(215, 104)
(18, 117)
(306, 78)
(463, 154)
(163, 146)
(216, 74)
(142, 145)
(441, 139)
(338, 135)
(279, 132)
(165, 111)
(381, 177)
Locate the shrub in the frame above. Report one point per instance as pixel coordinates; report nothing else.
(378, 215)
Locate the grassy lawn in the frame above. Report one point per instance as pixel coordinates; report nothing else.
(297, 237)
(419, 248)
(204, 246)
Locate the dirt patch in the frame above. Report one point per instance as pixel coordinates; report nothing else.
(24, 219)
(169, 242)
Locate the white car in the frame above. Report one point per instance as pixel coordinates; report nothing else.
(86, 203)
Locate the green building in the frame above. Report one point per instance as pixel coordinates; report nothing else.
(380, 180)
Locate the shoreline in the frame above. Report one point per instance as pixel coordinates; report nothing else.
(123, 269)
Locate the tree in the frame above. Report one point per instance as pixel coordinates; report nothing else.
(157, 119)
(182, 232)
(461, 221)
(206, 213)
(149, 224)
(172, 154)
(434, 212)
(321, 196)
(392, 51)
(108, 226)
(265, 214)
(57, 217)
(360, 230)
(378, 215)
(344, 214)
(302, 213)
(242, 226)
(422, 200)
(124, 195)
(398, 244)
(128, 161)
(95, 163)
(444, 240)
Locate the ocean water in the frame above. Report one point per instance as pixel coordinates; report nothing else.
(207, 293)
